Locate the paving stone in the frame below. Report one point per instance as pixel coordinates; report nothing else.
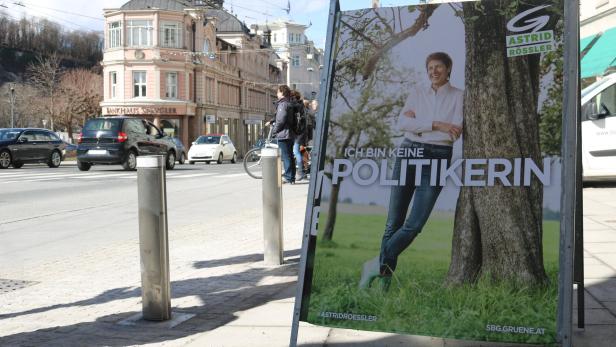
(603, 290)
(598, 271)
(596, 316)
(600, 247)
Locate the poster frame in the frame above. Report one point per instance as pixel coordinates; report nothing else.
(316, 171)
(570, 173)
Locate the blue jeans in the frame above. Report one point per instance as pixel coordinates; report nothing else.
(399, 230)
(299, 159)
(286, 152)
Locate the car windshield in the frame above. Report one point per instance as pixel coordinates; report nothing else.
(8, 134)
(102, 125)
(208, 140)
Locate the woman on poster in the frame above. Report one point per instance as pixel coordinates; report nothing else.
(431, 119)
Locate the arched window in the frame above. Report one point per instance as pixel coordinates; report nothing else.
(207, 47)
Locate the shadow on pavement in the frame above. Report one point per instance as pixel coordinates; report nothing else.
(241, 259)
(223, 297)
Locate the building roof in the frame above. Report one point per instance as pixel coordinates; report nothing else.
(225, 23)
(172, 5)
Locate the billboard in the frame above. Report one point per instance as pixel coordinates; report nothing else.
(437, 206)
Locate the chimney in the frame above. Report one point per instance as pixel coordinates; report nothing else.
(267, 36)
(376, 3)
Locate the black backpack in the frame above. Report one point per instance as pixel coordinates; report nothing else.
(297, 119)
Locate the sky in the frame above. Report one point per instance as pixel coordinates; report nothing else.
(88, 15)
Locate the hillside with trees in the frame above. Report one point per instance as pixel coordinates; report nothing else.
(55, 74)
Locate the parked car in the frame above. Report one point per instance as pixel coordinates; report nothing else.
(70, 150)
(120, 140)
(181, 150)
(207, 148)
(599, 130)
(19, 146)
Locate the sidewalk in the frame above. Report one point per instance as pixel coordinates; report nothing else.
(217, 275)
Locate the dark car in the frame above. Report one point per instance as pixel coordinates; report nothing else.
(119, 140)
(19, 146)
(181, 150)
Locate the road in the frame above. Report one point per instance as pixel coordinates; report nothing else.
(48, 214)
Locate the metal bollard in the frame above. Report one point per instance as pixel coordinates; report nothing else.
(272, 206)
(153, 238)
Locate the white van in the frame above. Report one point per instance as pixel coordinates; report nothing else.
(599, 130)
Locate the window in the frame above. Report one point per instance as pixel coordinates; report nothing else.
(42, 136)
(113, 81)
(134, 126)
(274, 37)
(172, 85)
(601, 106)
(139, 33)
(295, 60)
(290, 37)
(171, 34)
(139, 84)
(115, 35)
(96, 124)
(207, 46)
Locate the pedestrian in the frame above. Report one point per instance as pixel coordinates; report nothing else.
(299, 111)
(283, 133)
(431, 119)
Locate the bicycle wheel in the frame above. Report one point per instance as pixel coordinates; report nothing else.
(252, 163)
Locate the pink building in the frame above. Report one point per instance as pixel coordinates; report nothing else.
(191, 70)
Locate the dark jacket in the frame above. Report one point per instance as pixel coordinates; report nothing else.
(284, 110)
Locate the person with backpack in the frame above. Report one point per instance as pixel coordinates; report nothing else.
(283, 131)
(299, 128)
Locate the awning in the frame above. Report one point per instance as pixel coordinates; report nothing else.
(601, 56)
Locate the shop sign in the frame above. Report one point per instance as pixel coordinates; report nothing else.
(148, 110)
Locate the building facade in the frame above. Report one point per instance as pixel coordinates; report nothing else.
(304, 61)
(191, 68)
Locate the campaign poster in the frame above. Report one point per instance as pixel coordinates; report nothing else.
(441, 186)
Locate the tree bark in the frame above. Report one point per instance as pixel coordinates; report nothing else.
(498, 230)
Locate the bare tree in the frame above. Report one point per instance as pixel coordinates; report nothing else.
(45, 75)
(81, 93)
(28, 111)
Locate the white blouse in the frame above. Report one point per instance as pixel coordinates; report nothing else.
(444, 105)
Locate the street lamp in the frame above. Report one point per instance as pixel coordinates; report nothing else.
(12, 101)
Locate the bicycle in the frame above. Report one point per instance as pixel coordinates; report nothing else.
(252, 158)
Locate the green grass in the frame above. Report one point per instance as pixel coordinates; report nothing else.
(418, 303)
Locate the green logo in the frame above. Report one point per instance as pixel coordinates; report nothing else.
(530, 43)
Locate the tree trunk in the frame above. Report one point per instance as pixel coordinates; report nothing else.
(332, 211)
(498, 230)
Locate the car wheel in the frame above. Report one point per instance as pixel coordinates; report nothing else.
(219, 161)
(83, 166)
(191, 162)
(207, 162)
(170, 160)
(182, 160)
(234, 158)
(130, 163)
(17, 164)
(5, 159)
(55, 159)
